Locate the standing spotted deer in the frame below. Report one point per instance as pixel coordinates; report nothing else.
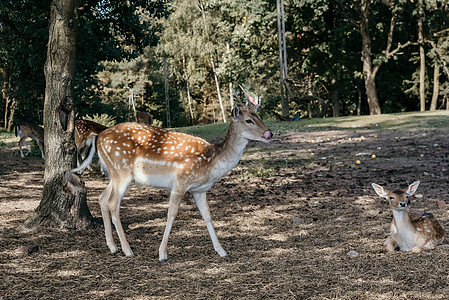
(29, 130)
(175, 161)
(410, 232)
(85, 132)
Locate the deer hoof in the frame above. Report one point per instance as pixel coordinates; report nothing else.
(222, 252)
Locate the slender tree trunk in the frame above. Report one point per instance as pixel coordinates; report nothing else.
(436, 86)
(217, 82)
(359, 102)
(369, 73)
(231, 95)
(231, 89)
(422, 59)
(63, 201)
(333, 95)
(5, 95)
(12, 111)
(10, 104)
(189, 100)
(309, 93)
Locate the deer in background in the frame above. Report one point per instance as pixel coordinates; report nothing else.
(410, 232)
(175, 161)
(85, 132)
(144, 117)
(29, 130)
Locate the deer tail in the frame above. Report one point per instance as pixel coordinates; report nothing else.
(88, 159)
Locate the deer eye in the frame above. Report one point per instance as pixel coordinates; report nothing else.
(249, 121)
(391, 197)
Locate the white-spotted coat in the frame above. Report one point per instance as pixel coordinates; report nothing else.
(172, 160)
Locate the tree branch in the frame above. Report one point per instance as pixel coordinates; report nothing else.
(440, 55)
(390, 33)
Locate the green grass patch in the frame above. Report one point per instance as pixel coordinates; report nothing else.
(408, 120)
(7, 138)
(210, 132)
(6, 134)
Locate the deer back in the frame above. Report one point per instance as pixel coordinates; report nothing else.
(86, 130)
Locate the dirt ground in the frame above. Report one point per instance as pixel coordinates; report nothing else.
(288, 215)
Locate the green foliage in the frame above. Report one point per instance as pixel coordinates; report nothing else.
(23, 40)
(103, 119)
(256, 172)
(108, 30)
(121, 45)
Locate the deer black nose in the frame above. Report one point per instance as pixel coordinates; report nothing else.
(403, 204)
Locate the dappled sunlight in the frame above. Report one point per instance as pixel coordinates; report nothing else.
(276, 237)
(295, 226)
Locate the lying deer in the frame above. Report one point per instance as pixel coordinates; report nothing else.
(85, 132)
(175, 161)
(29, 130)
(410, 232)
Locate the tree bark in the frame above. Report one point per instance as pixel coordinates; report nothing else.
(369, 74)
(436, 86)
(63, 202)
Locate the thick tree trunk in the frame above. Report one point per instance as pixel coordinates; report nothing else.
(369, 73)
(436, 86)
(63, 201)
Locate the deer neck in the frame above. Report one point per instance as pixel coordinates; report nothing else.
(228, 152)
(402, 221)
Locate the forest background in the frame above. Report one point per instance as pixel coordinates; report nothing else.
(344, 57)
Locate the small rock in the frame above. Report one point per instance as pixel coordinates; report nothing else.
(352, 253)
(26, 250)
(297, 220)
(441, 204)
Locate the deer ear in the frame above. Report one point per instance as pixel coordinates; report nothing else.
(412, 188)
(379, 190)
(235, 113)
(252, 107)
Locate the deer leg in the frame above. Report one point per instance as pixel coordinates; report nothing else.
(114, 207)
(416, 249)
(20, 148)
(41, 147)
(104, 200)
(173, 207)
(21, 143)
(85, 152)
(391, 244)
(201, 202)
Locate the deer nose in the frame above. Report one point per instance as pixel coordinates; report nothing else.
(268, 135)
(403, 204)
